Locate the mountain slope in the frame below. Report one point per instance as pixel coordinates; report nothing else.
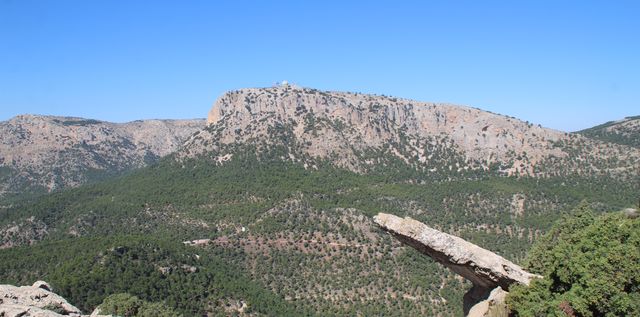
(361, 132)
(625, 131)
(48, 153)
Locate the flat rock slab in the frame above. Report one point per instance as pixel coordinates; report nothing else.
(482, 267)
(32, 301)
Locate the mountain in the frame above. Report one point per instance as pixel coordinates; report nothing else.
(625, 131)
(362, 132)
(269, 208)
(45, 153)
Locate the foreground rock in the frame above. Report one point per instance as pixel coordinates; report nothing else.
(37, 301)
(480, 266)
(486, 270)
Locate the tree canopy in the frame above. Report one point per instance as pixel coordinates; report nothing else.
(590, 268)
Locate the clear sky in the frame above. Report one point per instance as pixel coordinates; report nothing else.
(564, 64)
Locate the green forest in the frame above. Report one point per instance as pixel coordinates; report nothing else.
(283, 240)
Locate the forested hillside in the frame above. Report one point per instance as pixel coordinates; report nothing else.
(590, 267)
(304, 237)
(625, 131)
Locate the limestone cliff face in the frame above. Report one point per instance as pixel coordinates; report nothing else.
(53, 152)
(341, 126)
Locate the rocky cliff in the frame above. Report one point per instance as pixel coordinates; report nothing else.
(46, 152)
(358, 131)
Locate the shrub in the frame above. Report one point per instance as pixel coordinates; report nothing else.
(127, 305)
(590, 268)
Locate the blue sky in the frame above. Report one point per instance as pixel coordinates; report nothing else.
(566, 65)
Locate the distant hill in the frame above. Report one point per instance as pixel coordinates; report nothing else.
(625, 131)
(44, 153)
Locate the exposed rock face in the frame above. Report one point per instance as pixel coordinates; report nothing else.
(379, 120)
(345, 127)
(11, 310)
(631, 213)
(49, 152)
(480, 266)
(37, 300)
(33, 301)
(494, 306)
(42, 284)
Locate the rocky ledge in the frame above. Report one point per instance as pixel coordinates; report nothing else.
(490, 274)
(37, 300)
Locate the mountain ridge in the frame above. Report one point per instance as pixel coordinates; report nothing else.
(624, 131)
(45, 153)
(343, 127)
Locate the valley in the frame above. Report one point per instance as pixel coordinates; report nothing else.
(284, 182)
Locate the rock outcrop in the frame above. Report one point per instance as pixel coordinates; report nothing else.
(480, 266)
(37, 300)
(486, 270)
(631, 213)
(494, 306)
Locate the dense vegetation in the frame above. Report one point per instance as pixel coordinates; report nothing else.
(127, 305)
(590, 268)
(86, 270)
(284, 239)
